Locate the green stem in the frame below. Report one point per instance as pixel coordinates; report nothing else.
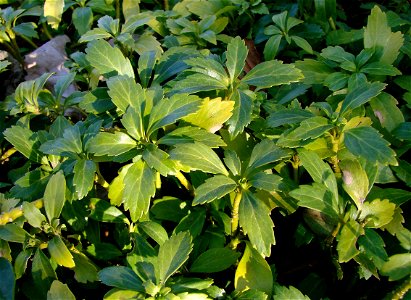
(46, 31)
(100, 179)
(234, 213)
(10, 216)
(400, 291)
(335, 140)
(7, 154)
(29, 41)
(295, 163)
(183, 180)
(15, 53)
(166, 5)
(118, 9)
(332, 23)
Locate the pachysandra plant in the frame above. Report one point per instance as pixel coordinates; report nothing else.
(191, 164)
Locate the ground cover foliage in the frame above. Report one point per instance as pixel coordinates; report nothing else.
(207, 150)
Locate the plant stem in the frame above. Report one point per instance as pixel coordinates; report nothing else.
(183, 180)
(100, 179)
(400, 291)
(335, 140)
(46, 31)
(10, 216)
(7, 154)
(117, 9)
(166, 5)
(295, 163)
(29, 41)
(234, 213)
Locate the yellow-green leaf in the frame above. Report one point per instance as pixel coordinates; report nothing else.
(53, 9)
(59, 252)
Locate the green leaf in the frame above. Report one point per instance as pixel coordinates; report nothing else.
(315, 72)
(33, 214)
(251, 294)
(214, 260)
(59, 291)
(111, 144)
(193, 222)
(159, 160)
(25, 141)
(106, 58)
(139, 187)
(83, 180)
(288, 116)
(311, 128)
(336, 81)
(256, 222)
(54, 196)
(214, 188)
(377, 213)
(379, 68)
(69, 145)
(12, 233)
(104, 251)
(321, 173)
(398, 266)
(190, 134)
(53, 10)
(212, 114)
(121, 277)
(59, 252)
(361, 95)
(378, 36)
(172, 255)
(243, 108)
(119, 294)
(272, 46)
(133, 123)
(42, 272)
(316, 197)
(403, 131)
(385, 108)
(101, 210)
(198, 83)
(272, 73)
(373, 245)
(155, 231)
(284, 293)
(20, 264)
(94, 34)
(264, 153)
(8, 281)
(168, 111)
(82, 18)
(146, 64)
(233, 162)
(124, 92)
(267, 182)
(236, 55)
(367, 142)
(337, 54)
(84, 270)
(355, 181)
(198, 156)
(347, 240)
(253, 272)
(302, 43)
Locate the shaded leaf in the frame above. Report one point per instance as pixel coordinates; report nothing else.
(121, 277)
(59, 291)
(42, 272)
(214, 188)
(347, 240)
(398, 266)
(236, 55)
(8, 281)
(54, 195)
(25, 141)
(214, 260)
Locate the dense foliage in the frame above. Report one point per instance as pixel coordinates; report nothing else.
(207, 149)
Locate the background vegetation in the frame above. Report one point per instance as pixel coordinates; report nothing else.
(220, 149)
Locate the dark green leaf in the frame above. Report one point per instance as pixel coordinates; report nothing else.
(256, 222)
(83, 180)
(379, 68)
(315, 72)
(54, 195)
(272, 73)
(236, 55)
(104, 251)
(8, 281)
(146, 64)
(106, 58)
(367, 142)
(121, 277)
(253, 272)
(101, 210)
(94, 34)
(59, 291)
(337, 54)
(309, 129)
(193, 222)
(159, 160)
(82, 19)
(172, 255)
(197, 83)
(42, 272)
(20, 264)
(214, 188)
(242, 111)
(84, 270)
(111, 144)
(233, 162)
(361, 95)
(198, 156)
(214, 260)
(139, 187)
(373, 245)
(272, 46)
(288, 116)
(267, 182)
(69, 145)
